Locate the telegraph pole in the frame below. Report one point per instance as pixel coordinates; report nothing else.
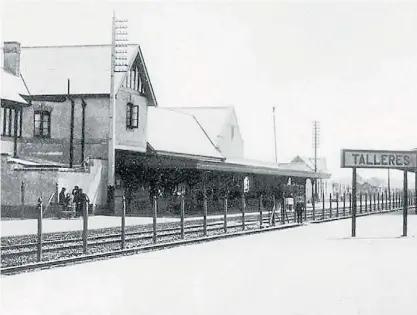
(275, 135)
(71, 152)
(118, 64)
(316, 144)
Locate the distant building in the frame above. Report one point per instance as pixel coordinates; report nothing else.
(322, 183)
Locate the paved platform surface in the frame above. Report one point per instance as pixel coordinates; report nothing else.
(24, 227)
(313, 270)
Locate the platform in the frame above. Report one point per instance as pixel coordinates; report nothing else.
(314, 270)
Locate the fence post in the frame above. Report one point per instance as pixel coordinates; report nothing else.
(398, 199)
(330, 209)
(123, 235)
(155, 213)
(40, 215)
(382, 200)
(85, 226)
(366, 202)
(260, 211)
(243, 211)
(294, 209)
(225, 214)
(337, 204)
(56, 193)
(22, 193)
(313, 202)
(395, 200)
(283, 210)
(344, 204)
(370, 203)
(205, 213)
(374, 201)
(350, 203)
(182, 216)
(378, 205)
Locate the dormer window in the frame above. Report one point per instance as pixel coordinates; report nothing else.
(132, 116)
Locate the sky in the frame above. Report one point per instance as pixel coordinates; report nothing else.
(351, 65)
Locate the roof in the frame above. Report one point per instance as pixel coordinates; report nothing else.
(321, 163)
(212, 119)
(175, 133)
(46, 69)
(260, 168)
(12, 88)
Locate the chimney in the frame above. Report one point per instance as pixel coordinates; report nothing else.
(11, 52)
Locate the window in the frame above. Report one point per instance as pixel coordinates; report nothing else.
(132, 116)
(42, 124)
(11, 117)
(133, 80)
(233, 132)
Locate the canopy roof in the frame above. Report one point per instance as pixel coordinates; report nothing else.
(12, 89)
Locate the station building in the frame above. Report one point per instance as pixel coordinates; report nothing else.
(163, 152)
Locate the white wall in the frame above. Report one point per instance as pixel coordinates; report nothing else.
(231, 147)
(93, 183)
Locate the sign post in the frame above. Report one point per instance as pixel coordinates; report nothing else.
(377, 159)
(405, 204)
(354, 202)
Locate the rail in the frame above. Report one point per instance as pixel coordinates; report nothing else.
(62, 248)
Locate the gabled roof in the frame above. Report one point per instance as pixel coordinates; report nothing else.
(212, 119)
(321, 163)
(375, 182)
(12, 88)
(178, 134)
(47, 68)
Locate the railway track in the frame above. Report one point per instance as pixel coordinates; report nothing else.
(106, 246)
(130, 251)
(112, 238)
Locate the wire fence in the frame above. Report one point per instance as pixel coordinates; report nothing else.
(47, 246)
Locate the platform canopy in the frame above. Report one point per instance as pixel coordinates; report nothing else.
(261, 168)
(242, 166)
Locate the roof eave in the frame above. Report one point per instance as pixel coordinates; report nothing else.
(188, 156)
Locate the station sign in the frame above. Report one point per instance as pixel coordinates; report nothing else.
(379, 159)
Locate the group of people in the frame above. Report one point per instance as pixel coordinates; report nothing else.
(76, 201)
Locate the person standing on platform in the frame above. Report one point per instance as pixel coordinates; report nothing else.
(299, 210)
(61, 198)
(76, 200)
